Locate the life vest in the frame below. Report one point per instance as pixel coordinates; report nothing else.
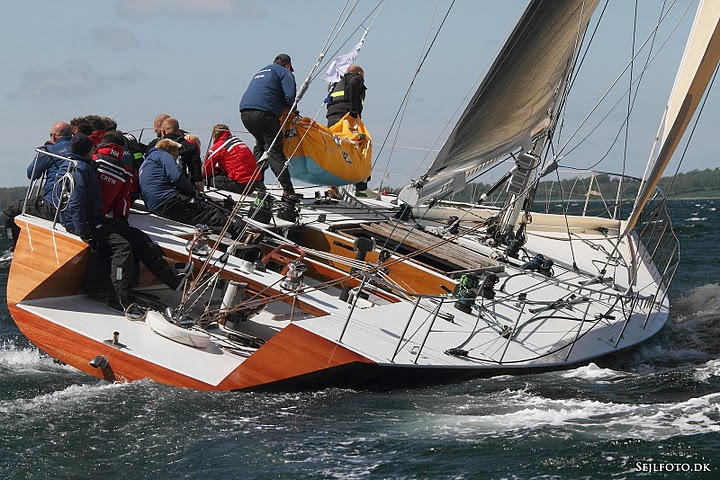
(338, 94)
(115, 178)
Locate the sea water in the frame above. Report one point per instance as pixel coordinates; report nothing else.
(653, 412)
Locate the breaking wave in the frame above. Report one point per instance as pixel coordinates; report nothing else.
(516, 413)
(20, 360)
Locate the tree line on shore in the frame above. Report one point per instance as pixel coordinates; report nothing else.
(694, 184)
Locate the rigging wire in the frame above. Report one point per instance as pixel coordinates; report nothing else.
(411, 85)
(311, 75)
(565, 149)
(630, 104)
(404, 105)
(315, 70)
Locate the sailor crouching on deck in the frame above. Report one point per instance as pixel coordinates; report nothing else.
(84, 217)
(230, 164)
(115, 180)
(167, 192)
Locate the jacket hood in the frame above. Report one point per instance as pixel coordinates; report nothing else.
(222, 136)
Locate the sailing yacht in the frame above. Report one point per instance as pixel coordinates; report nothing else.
(389, 292)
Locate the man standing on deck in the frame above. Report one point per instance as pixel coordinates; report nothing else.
(270, 93)
(53, 168)
(348, 96)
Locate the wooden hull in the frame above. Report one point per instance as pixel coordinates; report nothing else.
(46, 263)
(293, 352)
(284, 361)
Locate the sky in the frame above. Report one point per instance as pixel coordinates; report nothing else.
(133, 59)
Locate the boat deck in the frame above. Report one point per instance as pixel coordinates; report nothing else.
(98, 322)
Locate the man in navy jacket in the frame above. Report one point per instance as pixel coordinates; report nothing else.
(53, 168)
(270, 93)
(85, 206)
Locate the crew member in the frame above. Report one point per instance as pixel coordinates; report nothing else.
(271, 93)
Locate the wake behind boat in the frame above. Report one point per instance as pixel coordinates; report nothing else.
(385, 291)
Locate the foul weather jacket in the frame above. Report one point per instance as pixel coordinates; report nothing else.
(231, 157)
(272, 90)
(348, 95)
(52, 167)
(85, 205)
(115, 178)
(161, 179)
(189, 157)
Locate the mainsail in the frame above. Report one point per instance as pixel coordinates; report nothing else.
(513, 102)
(700, 60)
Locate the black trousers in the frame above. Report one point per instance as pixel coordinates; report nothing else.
(115, 264)
(185, 209)
(147, 252)
(264, 126)
(223, 182)
(334, 118)
(112, 246)
(36, 206)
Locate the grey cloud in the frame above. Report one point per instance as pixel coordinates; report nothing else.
(215, 8)
(116, 38)
(72, 78)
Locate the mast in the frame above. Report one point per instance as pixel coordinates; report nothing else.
(701, 56)
(529, 159)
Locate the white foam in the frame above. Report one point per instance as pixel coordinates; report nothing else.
(58, 401)
(705, 372)
(702, 300)
(592, 372)
(520, 412)
(696, 219)
(28, 359)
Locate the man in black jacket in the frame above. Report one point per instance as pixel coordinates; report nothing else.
(189, 156)
(347, 96)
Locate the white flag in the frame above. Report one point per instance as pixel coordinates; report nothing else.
(338, 67)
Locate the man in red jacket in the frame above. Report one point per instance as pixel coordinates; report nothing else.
(230, 164)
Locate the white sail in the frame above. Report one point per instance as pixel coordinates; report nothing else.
(702, 53)
(513, 102)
